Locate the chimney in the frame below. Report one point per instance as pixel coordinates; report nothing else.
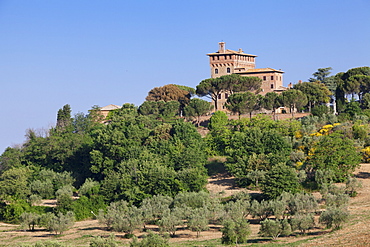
(221, 48)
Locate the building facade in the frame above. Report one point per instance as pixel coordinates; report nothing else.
(225, 62)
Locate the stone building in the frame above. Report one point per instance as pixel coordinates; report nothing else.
(225, 62)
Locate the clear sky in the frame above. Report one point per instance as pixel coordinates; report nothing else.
(94, 52)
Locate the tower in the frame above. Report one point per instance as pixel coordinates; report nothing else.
(225, 62)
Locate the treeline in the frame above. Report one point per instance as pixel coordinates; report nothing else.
(146, 165)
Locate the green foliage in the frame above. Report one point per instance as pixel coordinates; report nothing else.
(154, 207)
(121, 218)
(89, 188)
(320, 110)
(352, 185)
(241, 103)
(168, 93)
(49, 244)
(353, 108)
(170, 220)
(280, 178)
(64, 117)
(103, 242)
(239, 209)
(198, 220)
(316, 93)
(334, 217)
(255, 149)
(303, 222)
(272, 101)
(160, 108)
(85, 207)
(300, 203)
(58, 223)
(234, 232)
(294, 99)
(218, 137)
(152, 240)
(274, 228)
(13, 183)
(212, 87)
(29, 220)
(192, 199)
(11, 212)
(335, 153)
(196, 108)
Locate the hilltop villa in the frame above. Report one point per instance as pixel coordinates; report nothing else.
(225, 62)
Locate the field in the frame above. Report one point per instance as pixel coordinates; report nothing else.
(355, 233)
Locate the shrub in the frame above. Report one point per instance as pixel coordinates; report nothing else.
(150, 240)
(280, 178)
(29, 220)
(59, 223)
(234, 232)
(85, 207)
(334, 217)
(103, 242)
(275, 228)
(352, 185)
(303, 222)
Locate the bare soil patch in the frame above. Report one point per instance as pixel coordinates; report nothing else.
(355, 233)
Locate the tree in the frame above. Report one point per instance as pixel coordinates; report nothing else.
(64, 117)
(235, 232)
(241, 103)
(160, 108)
(154, 207)
(170, 221)
(198, 220)
(272, 101)
(274, 228)
(303, 222)
(233, 83)
(152, 240)
(316, 93)
(294, 99)
(196, 108)
(60, 223)
(29, 220)
(167, 93)
(211, 88)
(335, 153)
(14, 183)
(280, 178)
(334, 217)
(321, 74)
(103, 242)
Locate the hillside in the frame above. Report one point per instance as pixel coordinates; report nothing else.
(355, 233)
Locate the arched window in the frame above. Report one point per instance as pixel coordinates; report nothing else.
(216, 71)
(228, 70)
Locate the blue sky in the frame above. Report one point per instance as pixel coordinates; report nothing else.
(91, 52)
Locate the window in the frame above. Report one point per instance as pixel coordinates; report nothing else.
(219, 96)
(226, 96)
(228, 70)
(264, 78)
(272, 85)
(216, 71)
(272, 77)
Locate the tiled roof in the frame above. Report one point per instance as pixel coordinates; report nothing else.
(259, 71)
(110, 107)
(228, 52)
